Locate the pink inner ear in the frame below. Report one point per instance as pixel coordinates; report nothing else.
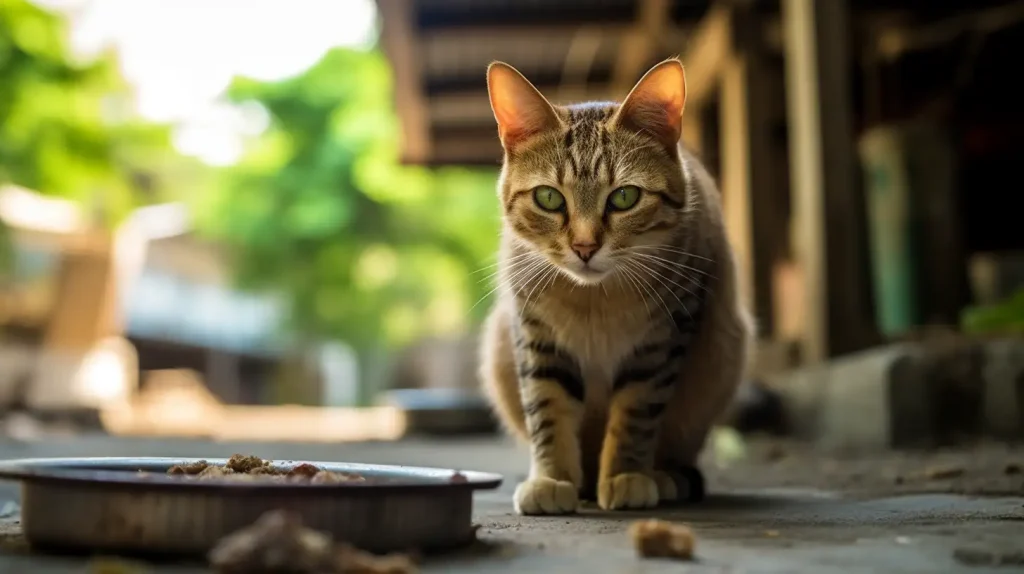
(521, 111)
(656, 103)
(517, 125)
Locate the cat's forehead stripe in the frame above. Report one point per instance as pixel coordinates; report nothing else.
(586, 141)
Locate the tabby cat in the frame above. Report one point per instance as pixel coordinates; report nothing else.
(618, 336)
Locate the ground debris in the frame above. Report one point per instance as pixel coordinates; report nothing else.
(279, 542)
(1012, 468)
(943, 472)
(660, 539)
(115, 565)
(985, 557)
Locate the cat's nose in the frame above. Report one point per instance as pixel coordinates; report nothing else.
(585, 250)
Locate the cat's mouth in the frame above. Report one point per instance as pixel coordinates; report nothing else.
(587, 273)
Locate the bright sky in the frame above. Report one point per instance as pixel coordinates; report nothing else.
(181, 54)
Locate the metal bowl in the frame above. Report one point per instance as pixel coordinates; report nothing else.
(107, 505)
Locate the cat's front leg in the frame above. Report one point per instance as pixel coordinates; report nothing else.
(640, 394)
(552, 392)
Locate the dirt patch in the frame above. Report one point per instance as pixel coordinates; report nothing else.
(988, 469)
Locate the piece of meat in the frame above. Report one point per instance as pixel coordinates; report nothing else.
(660, 539)
(304, 470)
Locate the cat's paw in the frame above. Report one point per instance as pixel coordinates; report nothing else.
(544, 495)
(668, 492)
(627, 490)
(679, 486)
(690, 484)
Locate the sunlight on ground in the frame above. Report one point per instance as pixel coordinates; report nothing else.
(177, 403)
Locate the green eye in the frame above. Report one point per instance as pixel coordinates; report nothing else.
(624, 197)
(548, 198)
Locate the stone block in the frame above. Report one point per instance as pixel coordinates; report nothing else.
(915, 394)
(1003, 376)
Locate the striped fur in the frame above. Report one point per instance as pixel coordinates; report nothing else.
(612, 370)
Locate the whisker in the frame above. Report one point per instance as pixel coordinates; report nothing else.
(666, 264)
(658, 277)
(676, 263)
(515, 265)
(675, 249)
(541, 280)
(529, 276)
(508, 260)
(642, 271)
(621, 273)
(632, 278)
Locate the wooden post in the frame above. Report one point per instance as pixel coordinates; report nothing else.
(638, 45)
(399, 39)
(86, 297)
(827, 202)
(745, 167)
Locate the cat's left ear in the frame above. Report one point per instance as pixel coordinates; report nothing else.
(519, 108)
(656, 103)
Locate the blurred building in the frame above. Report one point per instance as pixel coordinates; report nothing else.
(862, 147)
(85, 313)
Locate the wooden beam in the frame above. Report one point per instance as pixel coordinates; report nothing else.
(504, 35)
(476, 149)
(639, 44)
(706, 54)
(827, 203)
(474, 107)
(398, 37)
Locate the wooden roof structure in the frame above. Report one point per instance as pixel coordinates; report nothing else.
(774, 94)
(571, 49)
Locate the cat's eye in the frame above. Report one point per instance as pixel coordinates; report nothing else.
(624, 197)
(548, 198)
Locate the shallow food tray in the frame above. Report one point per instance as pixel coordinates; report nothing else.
(107, 505)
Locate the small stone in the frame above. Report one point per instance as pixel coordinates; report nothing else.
(982, 557)
(974, 556)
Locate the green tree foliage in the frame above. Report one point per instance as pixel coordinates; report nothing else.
(63, 129)
(368, 250)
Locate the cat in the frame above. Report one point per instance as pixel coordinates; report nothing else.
(617, 337)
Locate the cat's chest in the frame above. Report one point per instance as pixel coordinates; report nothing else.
(600, 339)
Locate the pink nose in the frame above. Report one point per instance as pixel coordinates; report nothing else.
(585, 250)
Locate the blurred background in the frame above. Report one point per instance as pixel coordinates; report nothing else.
(258, 220)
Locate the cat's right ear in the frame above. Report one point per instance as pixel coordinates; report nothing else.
(519, 108)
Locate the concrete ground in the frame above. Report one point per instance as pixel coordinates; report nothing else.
(764, 515)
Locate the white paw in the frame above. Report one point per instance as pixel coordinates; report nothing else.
(544, 495)
(627, 490)
(667, 490)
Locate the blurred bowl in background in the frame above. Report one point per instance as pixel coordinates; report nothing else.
(442, 411)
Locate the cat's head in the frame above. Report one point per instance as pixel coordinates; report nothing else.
(587, 185)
